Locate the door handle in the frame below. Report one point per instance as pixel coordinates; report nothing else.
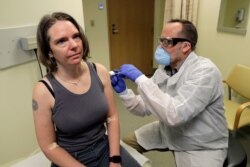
(114, 29)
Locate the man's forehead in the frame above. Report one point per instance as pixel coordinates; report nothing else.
(171, 29)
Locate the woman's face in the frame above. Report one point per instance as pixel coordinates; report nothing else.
(65, 43)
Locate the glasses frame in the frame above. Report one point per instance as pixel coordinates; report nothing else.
(166, 42)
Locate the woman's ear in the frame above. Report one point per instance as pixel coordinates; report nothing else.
(50, 55)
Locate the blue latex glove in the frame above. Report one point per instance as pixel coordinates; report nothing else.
(118, 83)
(130, 71)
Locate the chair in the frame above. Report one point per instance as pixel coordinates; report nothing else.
(238, 114)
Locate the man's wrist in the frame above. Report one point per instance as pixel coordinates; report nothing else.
(141, 79)
(123, 92)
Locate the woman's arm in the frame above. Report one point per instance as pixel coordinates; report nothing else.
(112, 117)
(42, 104)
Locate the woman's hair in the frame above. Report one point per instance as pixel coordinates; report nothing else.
(43, 38)
(189, 31)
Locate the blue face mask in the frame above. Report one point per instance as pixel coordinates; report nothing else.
(162, 57)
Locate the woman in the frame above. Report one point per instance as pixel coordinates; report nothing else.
(74, 101)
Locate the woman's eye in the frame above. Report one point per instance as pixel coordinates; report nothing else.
(61, 41)
(77, 36)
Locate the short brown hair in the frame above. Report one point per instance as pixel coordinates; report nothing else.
(189, 31)
(46, 22)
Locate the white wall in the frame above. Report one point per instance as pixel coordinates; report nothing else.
(17, 136)
(225, 49)
(158, 24)
(98, 33)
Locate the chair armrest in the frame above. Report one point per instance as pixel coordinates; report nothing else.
(141, 159)
(239, 112)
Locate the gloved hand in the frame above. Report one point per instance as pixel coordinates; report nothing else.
(130, 71)
(118, 83)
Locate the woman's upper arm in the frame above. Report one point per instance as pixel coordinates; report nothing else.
(108, 91)
(42, 102)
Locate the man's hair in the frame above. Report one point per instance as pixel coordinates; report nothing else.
(46, 22)
(188, 31)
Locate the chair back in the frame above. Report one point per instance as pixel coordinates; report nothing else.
(239, 80)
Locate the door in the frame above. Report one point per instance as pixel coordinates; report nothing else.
(131, 24)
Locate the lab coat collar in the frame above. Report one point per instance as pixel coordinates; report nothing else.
(189, 60)
(161, 76)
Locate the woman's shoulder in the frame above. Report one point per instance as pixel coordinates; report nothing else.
(102, 72)
(100, 68)
(41, 88)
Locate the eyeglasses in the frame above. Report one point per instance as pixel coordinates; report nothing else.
(166, 42)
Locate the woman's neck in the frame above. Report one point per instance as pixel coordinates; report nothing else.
(71, 73)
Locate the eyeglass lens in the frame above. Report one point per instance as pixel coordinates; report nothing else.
(166, 42)
(171, 41)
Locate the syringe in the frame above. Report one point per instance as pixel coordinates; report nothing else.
(111, 73)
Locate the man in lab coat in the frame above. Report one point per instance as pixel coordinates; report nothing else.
(185, 94)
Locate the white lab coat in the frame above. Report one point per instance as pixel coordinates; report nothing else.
(189, 106)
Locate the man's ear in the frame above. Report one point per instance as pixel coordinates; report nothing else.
(186, 47)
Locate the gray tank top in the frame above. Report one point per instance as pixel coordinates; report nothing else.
(79, 118)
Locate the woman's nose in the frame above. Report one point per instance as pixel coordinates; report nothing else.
(73, 43)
